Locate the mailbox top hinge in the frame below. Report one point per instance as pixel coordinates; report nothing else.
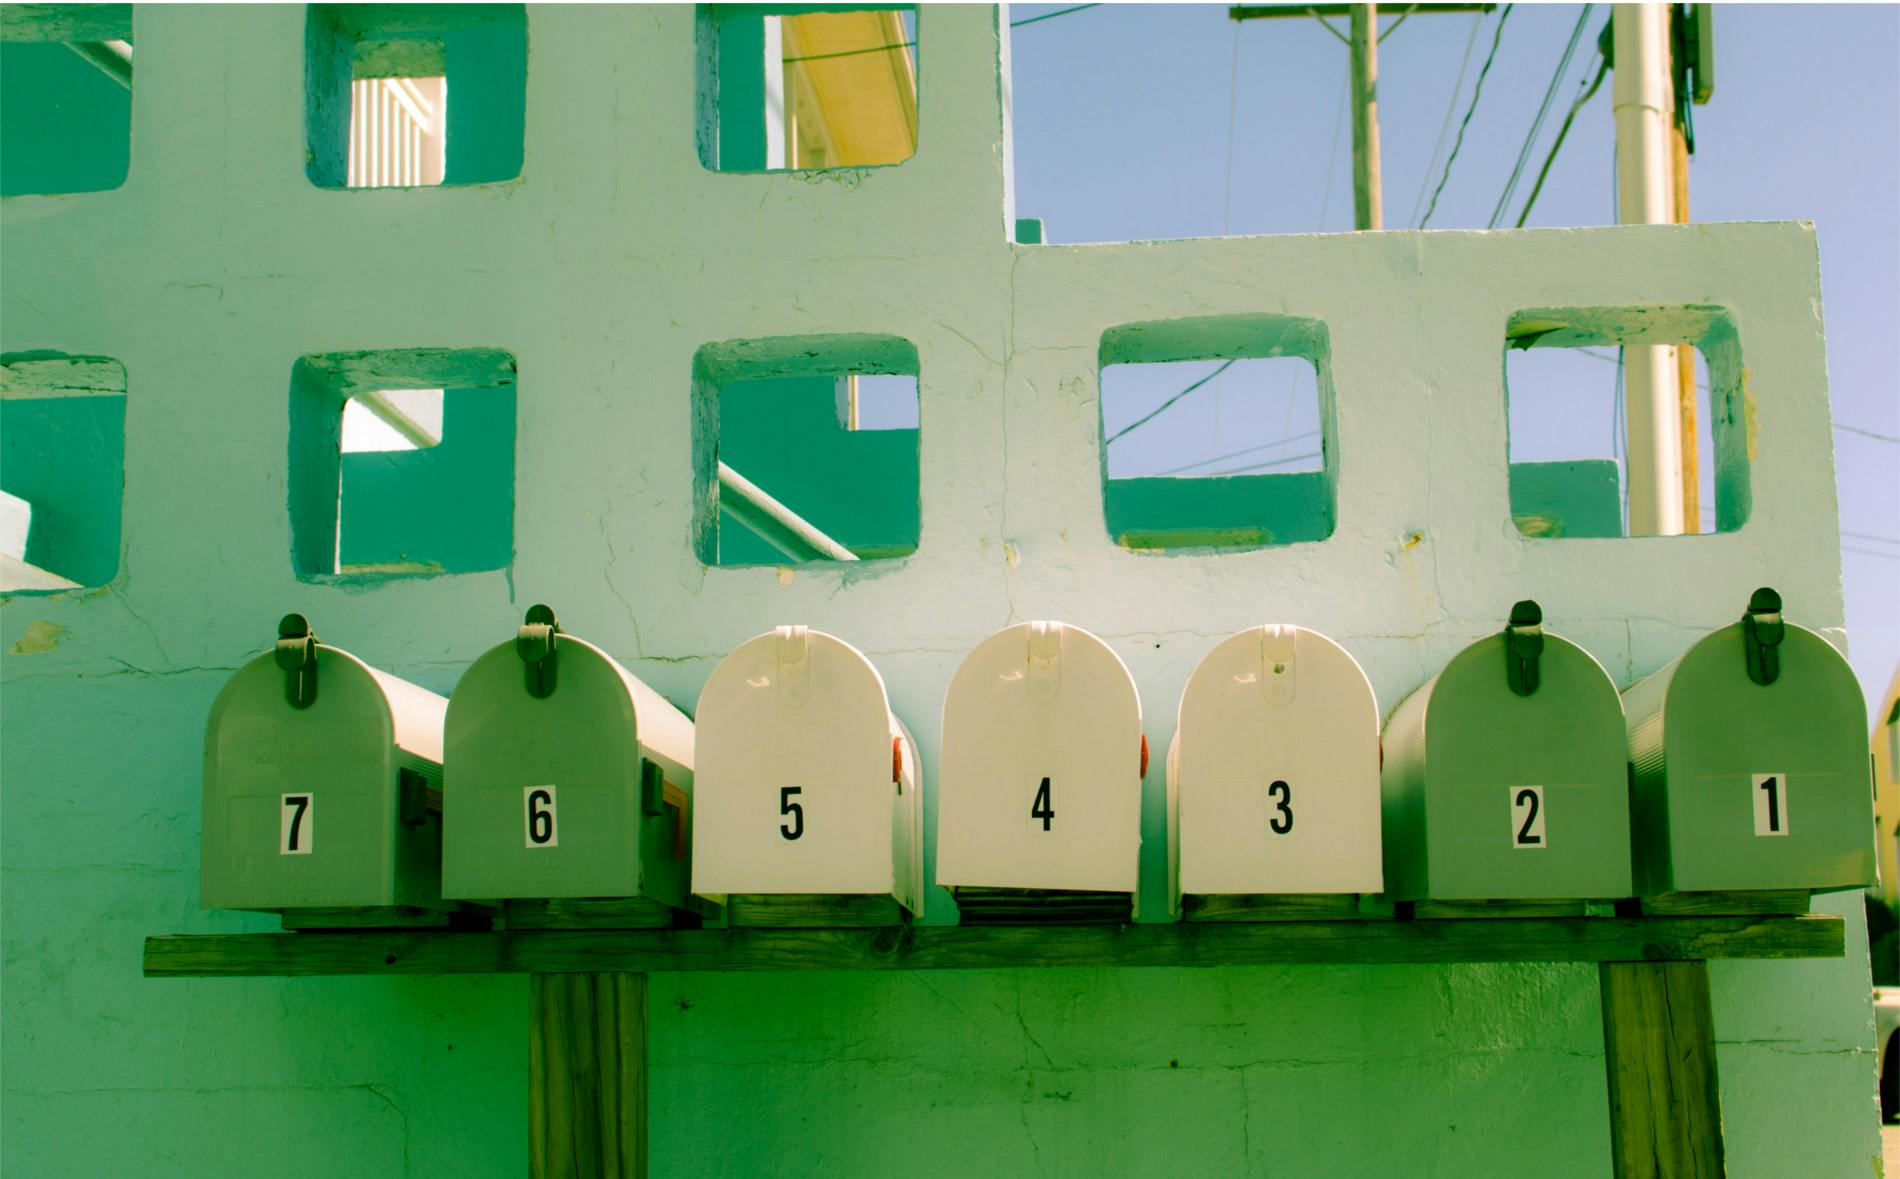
(1277, 647)
(1523, 644)
(297, 655)
(1045, 660)
(536, 642)
(793, 649)
(1762, 632)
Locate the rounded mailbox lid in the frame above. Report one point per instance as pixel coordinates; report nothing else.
(1274, 775)
(796, 785)
(1526, 795)
(1041, 766)
(1767, 784)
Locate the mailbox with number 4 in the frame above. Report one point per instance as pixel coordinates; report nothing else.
(1273, 780)
(1504, 778)
(1749, 765)
(322, 790)
(568, 778)
(810, 808)
(1039, 810)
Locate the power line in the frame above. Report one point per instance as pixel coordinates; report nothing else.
(1028, 20)
(1866, 433)
(1157, 411)
(1871, 536)
(1848, 548)
(1557, 146)
(1219, 458)
(1537, 124)
(1275, 463)
(1332, 157)
(1477, 90)
(1444, 129)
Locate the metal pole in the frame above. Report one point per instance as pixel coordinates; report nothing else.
(1368, 205)
(1644, 114)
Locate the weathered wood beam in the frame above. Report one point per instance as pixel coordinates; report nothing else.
(1659, 1051)
(587, 1076)
(1583, 939)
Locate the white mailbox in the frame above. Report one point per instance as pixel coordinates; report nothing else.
(808, 784)
(1273, 776)
(1043, 758)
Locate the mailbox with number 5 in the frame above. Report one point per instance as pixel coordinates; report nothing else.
(1750, 767)
(808, 784)
(1043, 758)
(567, 778)
(322, 790)
(1273, 777)
(1504, 776)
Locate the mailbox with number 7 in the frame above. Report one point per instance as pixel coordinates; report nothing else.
(1039, 812)
(1750, 768)
(1505, 781)
(809, 797)
(568, 778)
(322, 790)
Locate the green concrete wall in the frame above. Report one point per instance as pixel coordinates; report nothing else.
(603, 270)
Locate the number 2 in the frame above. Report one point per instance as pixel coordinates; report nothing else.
(1281, 823)
(1041, 807)
(1529, 802)
(539, 815)
(296, 828)
(787, 807)
(1771, 803)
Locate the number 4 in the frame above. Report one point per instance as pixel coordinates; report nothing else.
(1042, 810)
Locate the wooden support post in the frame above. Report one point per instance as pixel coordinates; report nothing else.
(587, 1076)
(1368, 205)
(1685, 354)
(1659, 1050)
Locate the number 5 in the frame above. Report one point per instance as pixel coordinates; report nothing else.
(787, 807)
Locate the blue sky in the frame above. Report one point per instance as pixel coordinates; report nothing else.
(1122, 131)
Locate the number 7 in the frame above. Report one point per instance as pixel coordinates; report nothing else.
(296, 827)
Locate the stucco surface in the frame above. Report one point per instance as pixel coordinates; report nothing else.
(602, 269)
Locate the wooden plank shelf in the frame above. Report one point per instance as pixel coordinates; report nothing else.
(949, 947)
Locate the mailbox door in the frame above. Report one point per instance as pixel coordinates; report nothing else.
(300, 805)
(1526, 796)
(1277, 769)
(1768, 784)
(1041, 782)
(794, 787)
(542, 797)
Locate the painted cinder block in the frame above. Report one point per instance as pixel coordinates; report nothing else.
(1749, 765)
(1273, 774)
(1043, 757)
(566, 776)
(808, 782)
(317, 780)
(1504, 775)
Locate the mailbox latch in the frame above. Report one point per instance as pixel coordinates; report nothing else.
(1045, 660)
(535, 642)
(297, 655)
(1523, 644)
(1277, 645)
(1762, 632)
(793, 650)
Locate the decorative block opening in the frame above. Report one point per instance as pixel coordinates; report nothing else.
(402, 462)
(65, 98)
(377, 89)
(1218, 433)
(805, 450)
(791, 87)
(1567, 375)
(62, 470)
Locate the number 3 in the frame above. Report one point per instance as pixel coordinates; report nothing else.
(1281, 823)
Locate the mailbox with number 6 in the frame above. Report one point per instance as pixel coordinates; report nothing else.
(568, 778)
(1039, 811)
(1750, 767)
(1504, 776)
(808, 786)
(322, 790)
(1273, 779)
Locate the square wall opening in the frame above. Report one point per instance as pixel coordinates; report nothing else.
(792, 87)
(62, 470)
(65, 98)
(1571, 377)
(805, 450)
(377, 94)
(1217, 433)
(402, 463)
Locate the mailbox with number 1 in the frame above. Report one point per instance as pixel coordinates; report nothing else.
(1504, 776)
(568, 777)
(322, 790)
(1750, 764)
(1043, 757)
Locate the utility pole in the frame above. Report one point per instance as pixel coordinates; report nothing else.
(1368, 205)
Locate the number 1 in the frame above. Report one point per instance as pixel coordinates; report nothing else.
(1771, 803)
(296, 827)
